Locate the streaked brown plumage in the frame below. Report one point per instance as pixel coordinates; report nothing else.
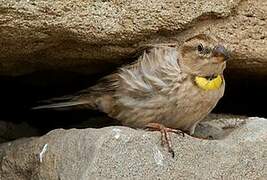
(159, 87)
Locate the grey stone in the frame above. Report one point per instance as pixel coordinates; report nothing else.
(123, 153)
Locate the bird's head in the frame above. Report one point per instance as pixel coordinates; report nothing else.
(202, 56)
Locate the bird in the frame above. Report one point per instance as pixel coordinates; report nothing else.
(168, 88)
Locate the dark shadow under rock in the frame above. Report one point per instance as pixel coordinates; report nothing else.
(10, 131)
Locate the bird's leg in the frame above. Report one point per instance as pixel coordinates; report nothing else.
(165, 137)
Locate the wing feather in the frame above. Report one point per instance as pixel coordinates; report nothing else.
(155, 71)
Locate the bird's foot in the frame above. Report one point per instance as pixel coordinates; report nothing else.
(165, 137)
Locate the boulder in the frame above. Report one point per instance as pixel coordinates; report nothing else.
(238, 151)
(90, 37)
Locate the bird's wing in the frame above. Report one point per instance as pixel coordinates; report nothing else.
(155, 71)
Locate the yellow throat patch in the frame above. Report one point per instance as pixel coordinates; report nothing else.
(207, 84)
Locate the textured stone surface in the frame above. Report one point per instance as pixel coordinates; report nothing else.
(91, 36)
(10, 131)
(123, 153)
(74, 35)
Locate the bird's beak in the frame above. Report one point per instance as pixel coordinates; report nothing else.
(220, 51)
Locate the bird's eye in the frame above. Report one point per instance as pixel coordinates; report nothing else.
(200, 48)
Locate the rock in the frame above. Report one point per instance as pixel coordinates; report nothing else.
(216, 126)
(78, 36)
(124, 153)
(10, 131)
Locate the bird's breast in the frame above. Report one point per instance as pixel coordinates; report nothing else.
(180, 109)
(192, 104)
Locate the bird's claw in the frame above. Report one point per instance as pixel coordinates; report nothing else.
(165, 138)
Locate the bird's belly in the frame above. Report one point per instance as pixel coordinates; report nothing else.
(192, 108)
(182, 111)
(188, 114)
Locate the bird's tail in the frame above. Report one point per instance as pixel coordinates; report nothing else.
(61, 103)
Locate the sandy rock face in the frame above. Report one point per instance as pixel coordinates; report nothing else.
(240, 152)
(89, 37)
(79, 36)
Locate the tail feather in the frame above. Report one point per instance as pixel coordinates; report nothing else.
(60, 105)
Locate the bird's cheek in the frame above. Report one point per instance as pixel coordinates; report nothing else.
(219, 68)
(224, 65)
(216, 60)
